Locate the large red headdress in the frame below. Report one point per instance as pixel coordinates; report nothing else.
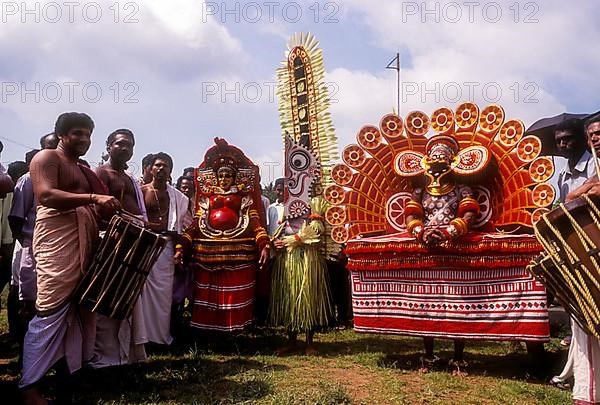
(224, 154)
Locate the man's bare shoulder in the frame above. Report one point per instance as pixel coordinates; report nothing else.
(103, 170)
(45, 159)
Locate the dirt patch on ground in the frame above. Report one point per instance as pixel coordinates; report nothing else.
(359, 382)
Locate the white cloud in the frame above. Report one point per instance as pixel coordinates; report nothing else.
(514, 64)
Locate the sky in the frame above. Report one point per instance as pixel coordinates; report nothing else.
(180, 72)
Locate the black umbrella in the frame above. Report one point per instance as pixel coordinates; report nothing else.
(544, 129)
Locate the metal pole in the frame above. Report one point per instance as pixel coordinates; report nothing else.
(398, 81)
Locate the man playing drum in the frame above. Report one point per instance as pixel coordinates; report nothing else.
(168, 214)
(571, 141)
(64, 235)
(121, 342)
(584, 351)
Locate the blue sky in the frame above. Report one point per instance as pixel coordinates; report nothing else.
(193, 71)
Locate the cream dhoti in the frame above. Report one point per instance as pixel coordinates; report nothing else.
(63, 244)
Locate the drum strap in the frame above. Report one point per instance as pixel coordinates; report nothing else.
(96, 185)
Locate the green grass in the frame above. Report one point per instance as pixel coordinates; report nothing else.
(350, 369)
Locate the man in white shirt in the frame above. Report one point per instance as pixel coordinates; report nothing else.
(571, 141)
(275, 211)
(584, 350)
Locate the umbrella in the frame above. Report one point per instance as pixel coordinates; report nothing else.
(544, 129)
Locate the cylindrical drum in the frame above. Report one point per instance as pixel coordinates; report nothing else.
(115, 278)
(570, 266)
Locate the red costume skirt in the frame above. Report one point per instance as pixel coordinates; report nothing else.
(476, 288)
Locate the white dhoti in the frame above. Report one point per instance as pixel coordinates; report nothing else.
(120, 342)
(16, 263)
(68, 333)
(157, 296)
(586, 356)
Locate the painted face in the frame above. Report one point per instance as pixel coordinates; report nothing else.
(225, 177)
(439, 159)
(302, 171)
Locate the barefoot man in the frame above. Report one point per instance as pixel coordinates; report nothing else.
(65, 231)
(167, 214)
(121, 342)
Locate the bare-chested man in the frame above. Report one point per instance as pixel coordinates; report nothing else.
(65, 231)
(121, 184)
(168, 213)
(121, 342)
(146, 169)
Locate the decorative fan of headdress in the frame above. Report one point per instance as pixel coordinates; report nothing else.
(304, 101)
(304, 116)
(368, 196)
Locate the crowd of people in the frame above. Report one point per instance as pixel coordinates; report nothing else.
(54, 211)
(222, 238)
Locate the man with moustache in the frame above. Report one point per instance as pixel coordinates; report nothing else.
(121, 341)
(571, 141)
(62, 333)
(584, 350)
(168, 214)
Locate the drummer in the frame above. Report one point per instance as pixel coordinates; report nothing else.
(571, 141)
(121, 342)
(61, 333)
(584, 351)
(121, 183)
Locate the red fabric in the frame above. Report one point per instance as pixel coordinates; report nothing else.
(224, 299)
(477, 290)
(494, 304)
(96, 184)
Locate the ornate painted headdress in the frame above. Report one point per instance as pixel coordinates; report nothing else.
(374, 182)
(223, 154)
(303, 111)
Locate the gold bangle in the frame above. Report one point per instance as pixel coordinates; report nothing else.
(460, 225)
(178, 246)
(413, 224)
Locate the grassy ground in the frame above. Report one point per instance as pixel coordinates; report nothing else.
(350, 369)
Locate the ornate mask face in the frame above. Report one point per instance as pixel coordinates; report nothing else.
(302, 172)
(438, 161)
(225, 177)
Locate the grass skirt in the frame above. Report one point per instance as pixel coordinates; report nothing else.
(300, 296)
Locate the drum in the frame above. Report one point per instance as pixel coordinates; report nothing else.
(122, 262)
(570, 266)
